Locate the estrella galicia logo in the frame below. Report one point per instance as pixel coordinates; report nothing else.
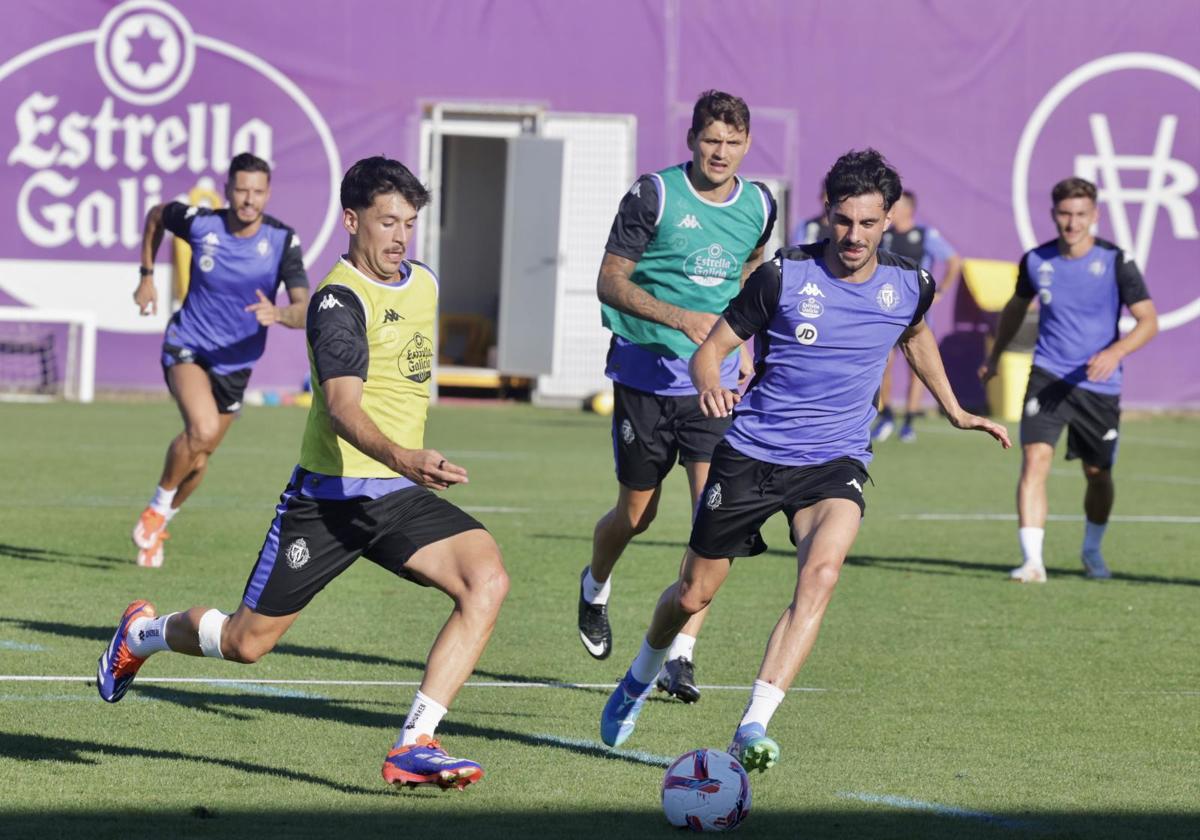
(710, 266)
(811, 308)
(297, 554)
(416, 359)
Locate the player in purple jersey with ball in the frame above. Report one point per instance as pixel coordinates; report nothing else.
(240, 258)
(1081, 283)
(823, 318)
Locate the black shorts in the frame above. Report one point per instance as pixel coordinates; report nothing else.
(742, 493)
(650, 432)
(312, 541)
(228, 389)
(1092, 419)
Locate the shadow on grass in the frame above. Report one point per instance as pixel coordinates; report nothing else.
(42, 748)
(243, 707)
(452, 816)
(46, 555)
(918, 565)
(104, 634)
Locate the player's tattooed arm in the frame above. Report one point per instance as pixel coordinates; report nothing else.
(145, 295)
(921, 351)
(615, 288)
(426, 467)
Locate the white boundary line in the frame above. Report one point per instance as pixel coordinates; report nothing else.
(384, 683)
(1060, 517)
(934, 808)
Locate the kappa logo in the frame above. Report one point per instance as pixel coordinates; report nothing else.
(297, 554)
(713, 499)
(854, 483)
(294, 242)
(636, 189)
(1149, 184)
(806, 333)
(329, 302)
(690, 222)
(211, 239)
(391, 315)
(926, 278)
(1045, 274)
(1032, 407)
(812, 290)
(191, 211)
(1111, 434)
(233, 406)
(627, 434)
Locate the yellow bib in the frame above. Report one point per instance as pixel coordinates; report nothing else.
(396, 391)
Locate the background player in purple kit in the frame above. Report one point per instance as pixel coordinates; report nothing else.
(240, 257)
(1081, 283)
(824, 318)
(925, 246)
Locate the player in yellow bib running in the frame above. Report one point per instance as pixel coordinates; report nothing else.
(362, 487)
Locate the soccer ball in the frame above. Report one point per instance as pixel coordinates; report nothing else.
(706, 790)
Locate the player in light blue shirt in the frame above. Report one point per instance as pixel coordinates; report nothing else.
(240, 258)
(1081, 282)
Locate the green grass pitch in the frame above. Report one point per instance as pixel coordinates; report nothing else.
(945, 702)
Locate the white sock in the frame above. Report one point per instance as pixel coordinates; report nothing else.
(160, 503)
(1031, 544)
(1093, 533)
(148, 635)
(648, 663)
(764, 700)
(596, 593)
(423, 718)
(682, 647)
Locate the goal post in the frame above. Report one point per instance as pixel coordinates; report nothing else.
(47, 354)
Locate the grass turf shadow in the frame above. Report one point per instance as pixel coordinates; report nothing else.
(33, 554)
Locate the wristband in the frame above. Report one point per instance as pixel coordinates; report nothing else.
(145, 272)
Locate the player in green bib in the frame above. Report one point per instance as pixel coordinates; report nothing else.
(683, 241)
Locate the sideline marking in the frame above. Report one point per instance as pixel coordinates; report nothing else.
(384, 683)
(639, 756)
(1059, 517)
(6, 644)
(934, 808)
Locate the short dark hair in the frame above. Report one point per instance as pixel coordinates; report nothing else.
(860, 173)
(716, 105)
(1073, 188)
(246, 162)
(379, 175)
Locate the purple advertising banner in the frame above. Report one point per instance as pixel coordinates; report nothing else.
(982, 106)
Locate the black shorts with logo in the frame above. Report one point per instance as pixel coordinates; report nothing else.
(742, 493)
(312, 541)
(651, 431)
(1093, 420)
(227, 388)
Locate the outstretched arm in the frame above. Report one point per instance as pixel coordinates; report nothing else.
(1010, 321)
(615, 288)
(145, 295)
(292, 315)
(426, 467)
(1101, 365)
(923, 357)
(705, 368)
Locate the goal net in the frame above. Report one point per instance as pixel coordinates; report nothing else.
(47, 354)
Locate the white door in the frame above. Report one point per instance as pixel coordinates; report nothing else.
(529, 258)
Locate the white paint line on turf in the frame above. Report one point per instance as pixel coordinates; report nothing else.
(6, 644)
(633, 755)
(383, 683)
(1060, 517)
(933, 808)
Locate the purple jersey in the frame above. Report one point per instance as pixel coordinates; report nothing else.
(226, 271)
(642, 369)
(1080, 303)
(821, 345)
